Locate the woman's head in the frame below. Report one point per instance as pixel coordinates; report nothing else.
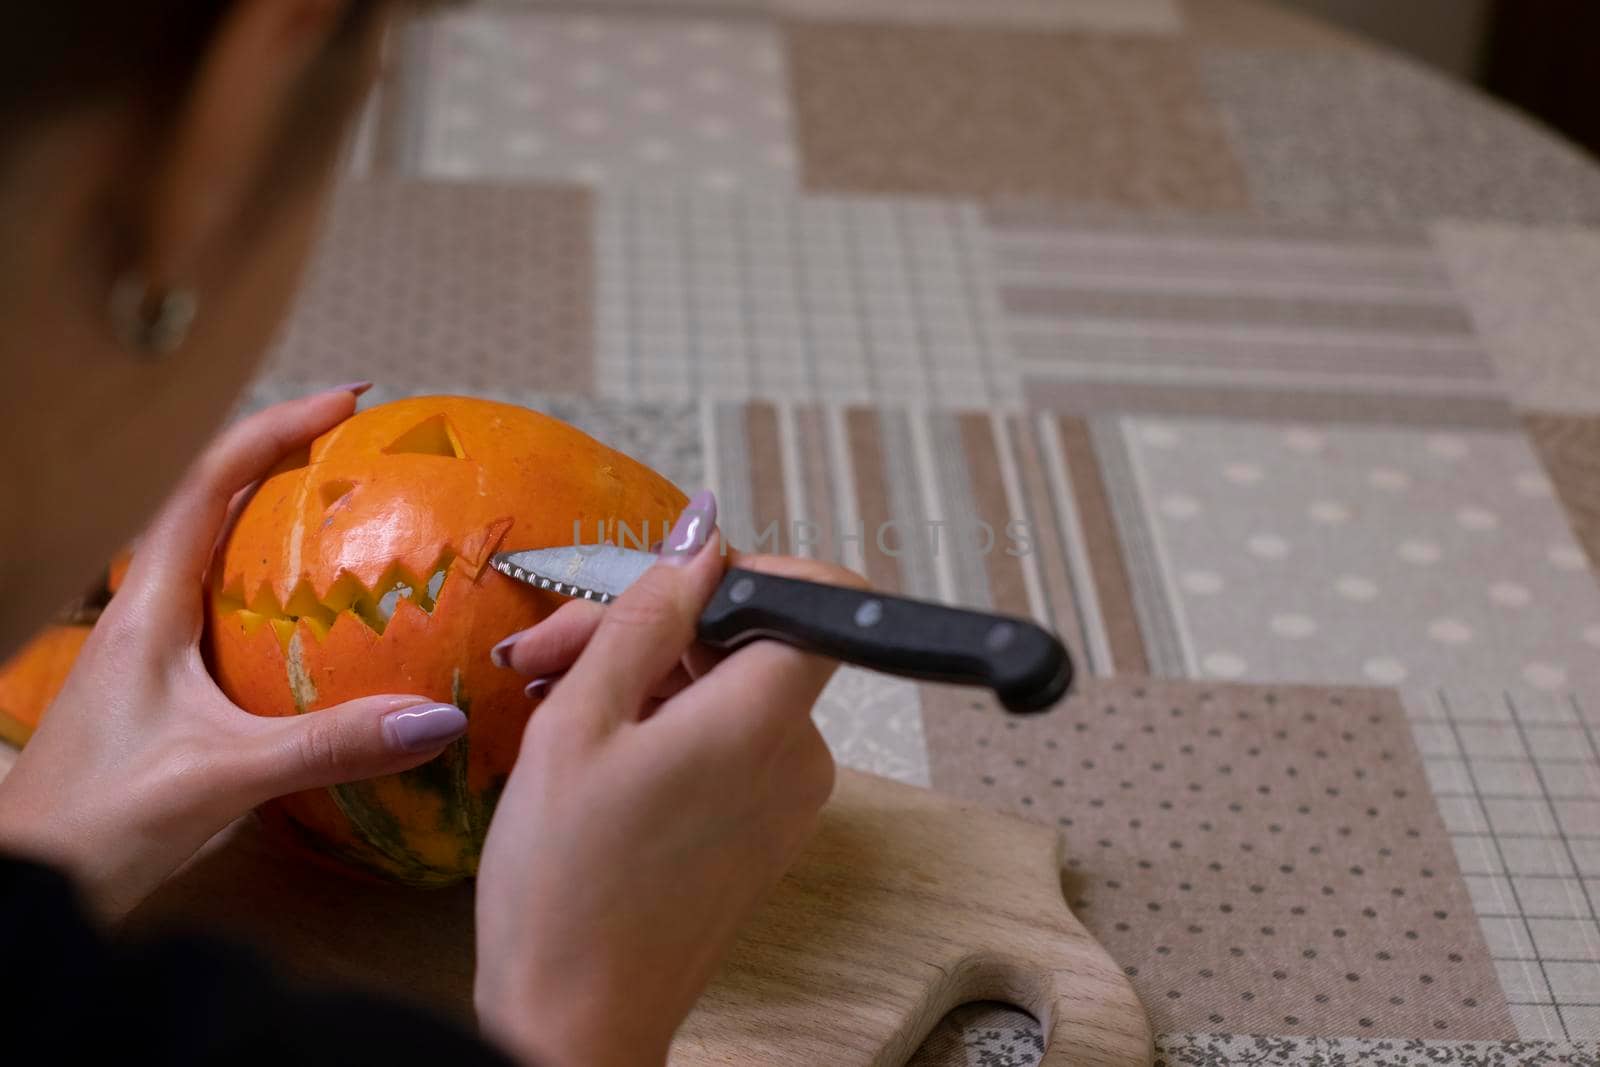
(157, 155)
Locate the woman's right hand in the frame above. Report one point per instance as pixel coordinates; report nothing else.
(652, 807)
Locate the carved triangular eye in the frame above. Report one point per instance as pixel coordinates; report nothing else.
(431, 437)
(335, 491)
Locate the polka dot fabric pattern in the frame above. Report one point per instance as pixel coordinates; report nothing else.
(605, 100)
(1261, 860)
(1328, 554)
(429, 285)
(1209, 1050)
(990, 112)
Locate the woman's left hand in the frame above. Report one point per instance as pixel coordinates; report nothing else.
(141, 759)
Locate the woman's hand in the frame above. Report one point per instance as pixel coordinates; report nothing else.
(659, 795)
(141, 758)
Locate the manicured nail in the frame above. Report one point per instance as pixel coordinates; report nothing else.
(423, 727)
(357, 388)
(500, 655)
(692, 530)
(540, 687)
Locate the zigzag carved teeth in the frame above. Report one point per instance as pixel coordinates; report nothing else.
(347, 596)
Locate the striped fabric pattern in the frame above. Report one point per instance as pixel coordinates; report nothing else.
(1164, 316)
(995, 511)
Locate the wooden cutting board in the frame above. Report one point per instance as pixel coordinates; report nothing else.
(906, 905)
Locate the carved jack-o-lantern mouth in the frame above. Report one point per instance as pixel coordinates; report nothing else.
(362, 568)
(373, 605)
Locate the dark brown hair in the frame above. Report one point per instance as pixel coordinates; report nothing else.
(61, 56)
(56, 55)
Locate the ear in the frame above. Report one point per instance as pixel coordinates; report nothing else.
(227, 127)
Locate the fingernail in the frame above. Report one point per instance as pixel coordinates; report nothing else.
(423, 727)
(356, 388)
(500, 655)
(540, 687)
(692, 530)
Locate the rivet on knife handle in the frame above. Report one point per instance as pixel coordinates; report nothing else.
(1025, 665)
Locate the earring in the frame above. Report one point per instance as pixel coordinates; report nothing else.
(152, 324)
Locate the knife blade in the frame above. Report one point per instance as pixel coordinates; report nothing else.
(1024, 664)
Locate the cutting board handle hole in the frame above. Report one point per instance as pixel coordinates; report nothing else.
(987, 1030)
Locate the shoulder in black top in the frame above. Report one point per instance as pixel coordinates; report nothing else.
(69, 991)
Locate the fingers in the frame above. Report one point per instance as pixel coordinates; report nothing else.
(544, 652)
(639, 653)
(814, 769)
(749, 704)
(675, 682)
(701, 658)
(749, 721)
(177, 547)
(643, 635)
(755, 696)
(811, 570)
(554, 644)
(361, 739)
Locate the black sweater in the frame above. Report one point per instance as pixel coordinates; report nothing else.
(70, 992)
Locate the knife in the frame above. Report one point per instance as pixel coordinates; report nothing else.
(1024, 664)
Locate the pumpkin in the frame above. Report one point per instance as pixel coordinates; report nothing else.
(362, 567)
(30, 680)
(118, 570)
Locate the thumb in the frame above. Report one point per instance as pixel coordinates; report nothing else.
(360, 739)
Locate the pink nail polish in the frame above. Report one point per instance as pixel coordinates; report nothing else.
(426, 726)
(500, 655)
(692, 530)
(540, 687)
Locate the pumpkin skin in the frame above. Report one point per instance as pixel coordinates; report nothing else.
(31, 679)
(118, 571)
(364, 570)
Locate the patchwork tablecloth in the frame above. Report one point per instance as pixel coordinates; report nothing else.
(1262, 364)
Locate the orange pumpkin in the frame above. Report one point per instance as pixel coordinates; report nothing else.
(364, 569)
(30, 681)
(118, 570)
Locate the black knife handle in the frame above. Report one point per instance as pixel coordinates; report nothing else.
(1028, 669)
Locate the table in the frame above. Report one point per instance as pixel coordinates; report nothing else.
(1272, 357)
